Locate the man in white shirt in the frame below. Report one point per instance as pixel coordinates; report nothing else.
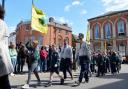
(66, 59)
(83, 53)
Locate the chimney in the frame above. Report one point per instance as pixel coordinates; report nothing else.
(65, 24)
(51, 19)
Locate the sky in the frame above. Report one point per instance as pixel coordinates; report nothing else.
(73, 12)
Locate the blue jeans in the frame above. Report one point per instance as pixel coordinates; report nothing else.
(13, 60)
(43, 65)
(84, 69)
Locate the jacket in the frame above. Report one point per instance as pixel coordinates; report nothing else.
(43, 54)
(5, 60)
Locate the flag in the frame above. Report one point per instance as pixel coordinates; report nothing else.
(88, 36)
(38, 20)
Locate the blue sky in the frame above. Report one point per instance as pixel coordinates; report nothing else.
(73, 12)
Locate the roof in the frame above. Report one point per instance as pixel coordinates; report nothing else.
(57, 24)
(108, 14)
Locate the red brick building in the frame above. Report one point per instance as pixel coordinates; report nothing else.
(110, 31)
(56, 33)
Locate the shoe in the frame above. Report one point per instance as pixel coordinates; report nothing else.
(62, 81)
(39, 83)
(26, 86)
(71, 78)
(12, 74)
(97, 75)
(77, 83)
(65, 77)
(87, 80)
(49, 84)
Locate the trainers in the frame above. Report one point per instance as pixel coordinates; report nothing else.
(12, 74)
(49, 84)
(39, 83)
(26, 86)
(77, 83)
(87, 80)
(62, 81)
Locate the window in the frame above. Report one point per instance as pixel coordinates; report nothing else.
(40, 39)
(27, 28)
(54, 40)
(121, 27)
(107, 30)
(66, 32)
(60, 40)
(67, 39)
(96, 31)
(59, 30)
(55, 31)
(122, 49)
(33, 38)
(97, 48)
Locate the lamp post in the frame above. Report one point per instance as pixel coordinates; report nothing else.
(3, 3)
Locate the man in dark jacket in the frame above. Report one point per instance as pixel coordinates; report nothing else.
(54, 66)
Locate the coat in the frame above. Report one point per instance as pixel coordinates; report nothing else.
(5, 60)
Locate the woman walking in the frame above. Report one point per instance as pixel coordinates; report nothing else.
(34, 57)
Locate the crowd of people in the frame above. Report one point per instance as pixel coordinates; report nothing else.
(56, 59)
(105, 62)
(53, 60)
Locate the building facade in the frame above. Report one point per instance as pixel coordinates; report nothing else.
(110, 32)
(12, 38)
(56, 33)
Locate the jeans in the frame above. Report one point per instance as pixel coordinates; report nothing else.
(66, 67)
(84, 69)
(43, 65)
(13, 60)
(33, 69)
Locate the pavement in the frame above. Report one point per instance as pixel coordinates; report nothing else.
(117, 81)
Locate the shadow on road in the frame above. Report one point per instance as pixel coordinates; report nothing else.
(121, 84)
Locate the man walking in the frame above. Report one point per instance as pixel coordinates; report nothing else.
(66, 59)
(83, 54)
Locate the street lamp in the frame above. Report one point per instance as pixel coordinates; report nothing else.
(3, 3)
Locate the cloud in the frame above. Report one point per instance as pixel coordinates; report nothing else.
(64, 20)
(83, 12)
(112, 5)
(76, 2)
(106, 2)
(67, 8)
(73, 4)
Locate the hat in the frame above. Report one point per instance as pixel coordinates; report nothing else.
(35, 41)
(81, 35)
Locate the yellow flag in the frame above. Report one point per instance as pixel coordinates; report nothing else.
(38, 20)
(88, 36)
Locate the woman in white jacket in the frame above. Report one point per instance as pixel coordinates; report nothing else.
(5, 62)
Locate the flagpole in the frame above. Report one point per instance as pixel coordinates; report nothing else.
(31, 23)
(3, 5)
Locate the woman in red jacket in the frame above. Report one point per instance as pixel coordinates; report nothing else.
(43, 59)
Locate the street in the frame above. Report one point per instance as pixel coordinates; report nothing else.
(118, 81)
